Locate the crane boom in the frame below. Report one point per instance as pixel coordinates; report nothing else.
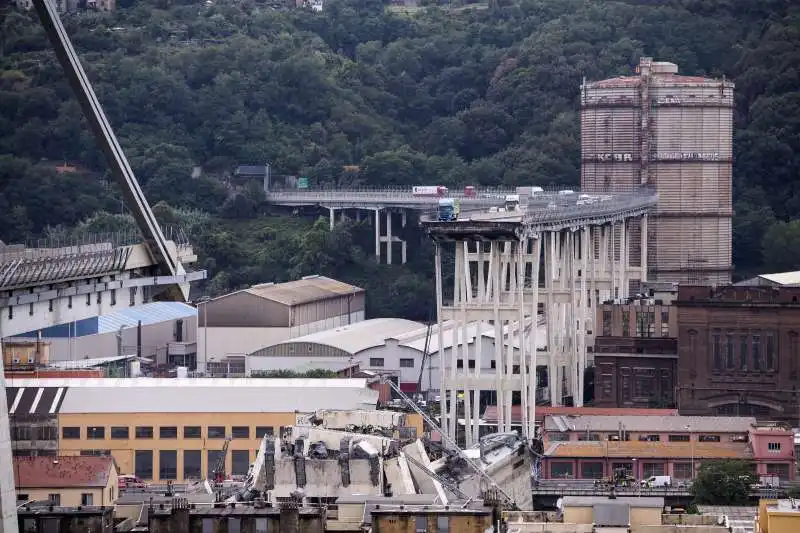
(451, 443)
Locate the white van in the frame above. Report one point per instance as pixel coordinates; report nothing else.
(657, 481)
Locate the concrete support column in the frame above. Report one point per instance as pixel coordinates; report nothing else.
(440, 333)
(403, 244)
(584, 314)
(332, 212)
(643, 262)
(8, 496)
(550, 312)
(534, 340)
(623, 258)
(378, 234)
(612, 243)
(388, 237)
(498, 333)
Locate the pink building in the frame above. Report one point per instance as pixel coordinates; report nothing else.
(593, 446)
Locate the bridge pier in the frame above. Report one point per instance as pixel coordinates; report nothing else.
(503, 268)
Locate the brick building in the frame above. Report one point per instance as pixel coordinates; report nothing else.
(739, 351)
(636, 353)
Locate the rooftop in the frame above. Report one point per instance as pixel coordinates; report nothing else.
(355, 338)
(655, 424)
(147, 314)
(490, 414)
(190, 395)
(301, 291)
(589, 501)
(72, 471)
(650, 450)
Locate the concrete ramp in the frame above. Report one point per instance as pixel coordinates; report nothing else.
(426, 484)
(397, 473)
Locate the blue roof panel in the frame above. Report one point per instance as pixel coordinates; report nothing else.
(151, 313)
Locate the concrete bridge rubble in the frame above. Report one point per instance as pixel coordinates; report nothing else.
(321, 464)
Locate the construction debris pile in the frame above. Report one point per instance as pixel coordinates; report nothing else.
(372, 453)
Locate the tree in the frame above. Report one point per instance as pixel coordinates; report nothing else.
(725, 482)
(781, 246)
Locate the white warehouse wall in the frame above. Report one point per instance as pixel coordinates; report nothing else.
(225, 341)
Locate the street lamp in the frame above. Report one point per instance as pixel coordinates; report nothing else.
(204, 301)
(691, 443)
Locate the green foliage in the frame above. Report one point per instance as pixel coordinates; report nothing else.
(725, 482)
(453, 95)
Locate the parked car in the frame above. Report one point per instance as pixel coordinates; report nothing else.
(130, 482)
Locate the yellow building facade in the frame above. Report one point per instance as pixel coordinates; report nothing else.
(165, 447)
(778, 516)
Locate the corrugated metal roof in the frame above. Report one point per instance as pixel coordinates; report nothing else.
(650, 450)
(208, 395)
(91, 362)
(542, 411)
(360, 336)
(269, 363)
(308, 289)
(783, 278)
(151, 313)
(660, 424)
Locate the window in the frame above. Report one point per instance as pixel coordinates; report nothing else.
(132, 296)
(406, 363)
(606, 323)
(95, 453)
(774, 446)
(192, 464)
(23, 497)
(376, 361)
(652, 469)
(459, 363)
(420, 524)
(240, 462)
(54, 499)
(168, 464)
(591, 470)
(682, 470)
(561, 470)
(770, 352)
(588, 436)
(87, 498)
(443, 524)
(729, 351)
(143, 464)
(213, 457)
(168, 432)
(679, 438)
(716, 351)
(665, 323)
(626, 323)
(144, 432)
(645, 323)
(708, 438)
(216, 432)
(234, 525)
(95, 432)
(757, 353)
(120, 432)
(240, 432)
(264, 430)
(649, 438)
(743, 352)
(50, 525)
(192, 432)
(471, 363)
(113, 297)
(558, 437)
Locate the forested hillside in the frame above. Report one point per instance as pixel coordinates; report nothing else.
(464, 95)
